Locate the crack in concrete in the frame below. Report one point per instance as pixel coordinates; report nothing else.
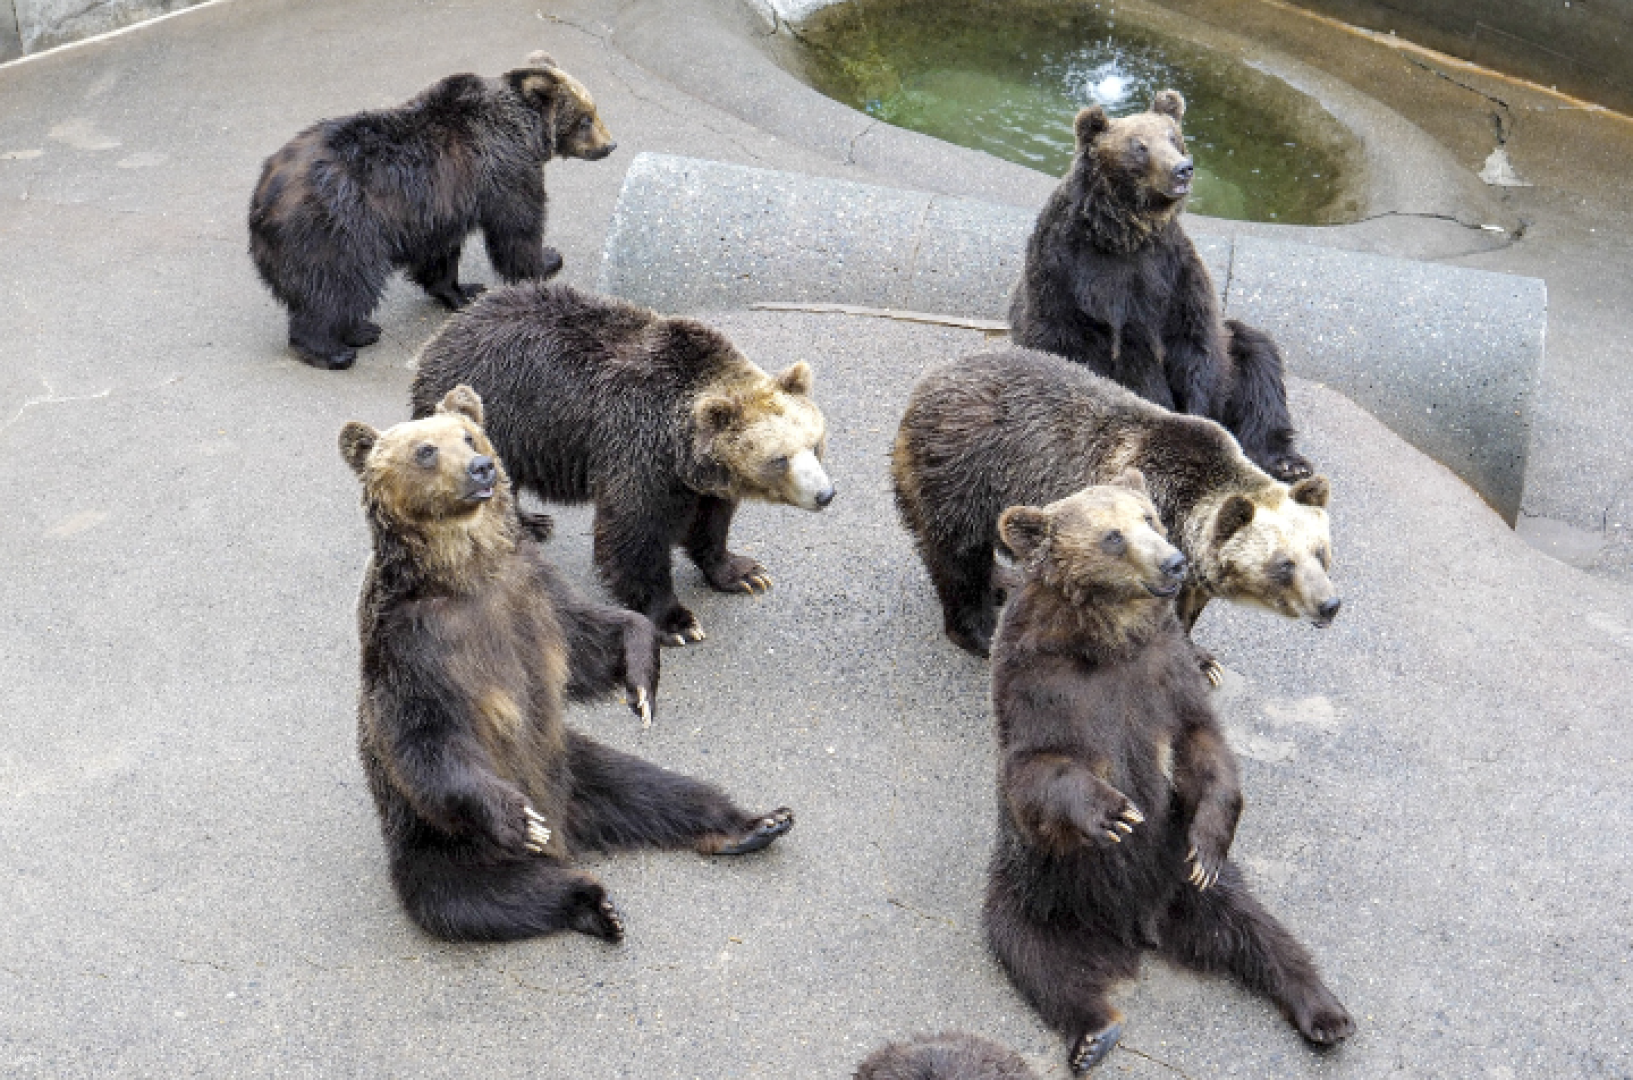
(51, 398)
(918, 238)
(922, 914)
(1509, 237)
(204, 963)
(1123, 1046)
(850, 151)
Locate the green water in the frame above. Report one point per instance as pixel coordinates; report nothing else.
(1008, 76)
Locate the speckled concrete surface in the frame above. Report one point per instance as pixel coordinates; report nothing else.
(1438, 792)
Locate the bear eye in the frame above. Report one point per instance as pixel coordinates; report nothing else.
(1113, 543)
(1283, 571)
(1324, 557)
(585, 123)
(780, 464)
(1150, 521)
(426, 455)
(469, 441)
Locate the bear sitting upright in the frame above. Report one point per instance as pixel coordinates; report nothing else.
(660, 422)
(1118, 797)
(347, 200)
(470, 642)
(1112, 281)
(1002, 429)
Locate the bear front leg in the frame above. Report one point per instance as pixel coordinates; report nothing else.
(632, 540)
(965, 583)
(513, 228)
(1063, 806)
(1226, 931)
(1064, 971)
(706, 544)
(1207, 785)
(319, 340)
(608, 647)
(621, 801)
(1192, 599)
(439, 277)
(1256, 412)
(469, 900)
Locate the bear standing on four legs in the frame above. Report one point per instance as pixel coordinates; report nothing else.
(470, 643)
(1112, 281)
(346, 201)
(1019, 427)
(1118, 797)
(660, 422)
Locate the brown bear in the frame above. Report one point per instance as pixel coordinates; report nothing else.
(346, 201)
(1112, 281)
(1005, 428)
(1118, 797)
(470, 644)
(660, 422)
(952, 1055)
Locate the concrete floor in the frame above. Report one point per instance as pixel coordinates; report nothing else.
(1438, 786)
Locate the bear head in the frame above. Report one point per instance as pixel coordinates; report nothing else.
(1104, 545)
(1131, 174)
(571, 121)
(1273, 549)
(767, 437)
(439, 473)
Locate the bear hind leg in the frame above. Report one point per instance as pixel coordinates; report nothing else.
(965, 583)
(1065, 973)
(620, 801)
(706, 544)
(504, 902)
(439, 277)
(1225, 930)
(1256, 412)
(319, 341)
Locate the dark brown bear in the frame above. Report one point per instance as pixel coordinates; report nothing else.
(660, 422)
(1112, 281)
(347, 201)
(1007, 428)
(1118, 797)
(470, 644)
(951, 1055)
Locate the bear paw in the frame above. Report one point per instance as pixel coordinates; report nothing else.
(362, 335)
(680, 627)
(761, 832)
(600, 919)
(1321, 1018)
(1288, 466)
(1112, 820)
(1092, 1048)
(539, 526)
(1204, 869)
(739, 574)
(331, 360)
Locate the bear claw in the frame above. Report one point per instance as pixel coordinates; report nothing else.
(603, 921)
(1092, 1049)
(1200, 876)
(1214, 671)
(761, 833)
(538, 833)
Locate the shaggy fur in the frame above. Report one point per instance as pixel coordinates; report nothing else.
(1118, 797)
(952, 1055)
(346, 201)
(1000, 429)
(470, 644)
(660, 422)
(1112, 281)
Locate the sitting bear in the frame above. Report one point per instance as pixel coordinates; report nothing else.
(659, 422)
(1112, 281)
(470, 643)
(1001, 429)
(346, 201)
(1118, 797)
(951, 1055)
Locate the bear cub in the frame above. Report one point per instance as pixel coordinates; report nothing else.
(952, 1055)
(1118, 797)
(1112, 281)
(471, 642)
(1019, 427)
(660, 422)
(347, 201)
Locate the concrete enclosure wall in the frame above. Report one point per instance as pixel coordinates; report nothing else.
(1583, 48)
(31, 26)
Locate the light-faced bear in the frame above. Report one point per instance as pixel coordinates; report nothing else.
(1117, 794)
(471, 644)
(1019, 427)
(1112, 281)
(347, 201)
(952, 1055)
(660, 422)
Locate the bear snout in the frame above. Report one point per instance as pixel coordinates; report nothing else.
(480, 474)
(812, 488)
(1175, 566)
(1181, 176)
(1327, 611)
(600, 152)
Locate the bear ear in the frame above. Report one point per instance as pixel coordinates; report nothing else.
(1312, 491)
(1234, 515)
(1024, 530)
(535, 85)
(1089, 124)
(1169, 103)
(464, 401)
(1134, 480)
(796, 379)
(356, 440)
(717, 412)
(541, 59)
